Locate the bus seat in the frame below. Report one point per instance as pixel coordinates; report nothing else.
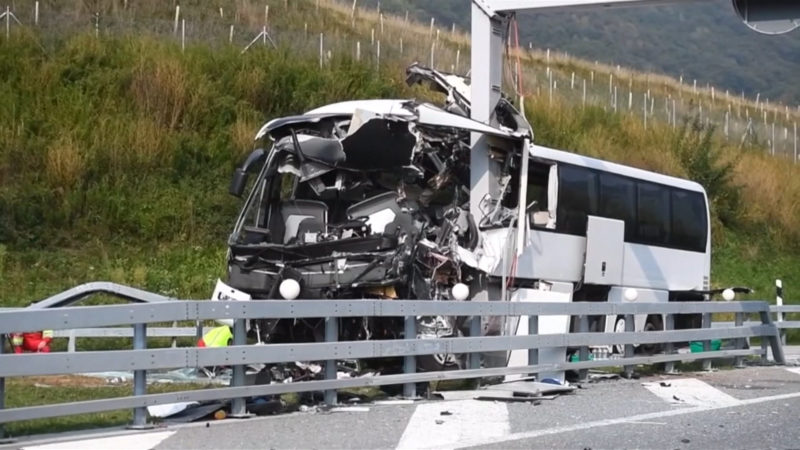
(303, 216)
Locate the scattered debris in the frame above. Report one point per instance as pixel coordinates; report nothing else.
(439, 421)
(665, 384)
(597, 377)
(169, 409)
(445, 413)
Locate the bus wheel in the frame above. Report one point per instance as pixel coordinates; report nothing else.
(619, 327)
(654, 323)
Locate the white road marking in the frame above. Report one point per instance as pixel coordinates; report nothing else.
(468, 420)
(794, 370)
(621, 420)
(136, 441)
(690, 391)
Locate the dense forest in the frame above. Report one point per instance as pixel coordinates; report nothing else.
(705, 41)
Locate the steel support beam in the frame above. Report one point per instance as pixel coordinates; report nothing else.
(486, 83)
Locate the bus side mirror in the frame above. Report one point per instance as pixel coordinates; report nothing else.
(238, 183)
(239, 180)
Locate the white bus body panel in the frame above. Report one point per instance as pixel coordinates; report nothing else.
(558, 293)
(547, 255)
(604, 251)
(647, 266)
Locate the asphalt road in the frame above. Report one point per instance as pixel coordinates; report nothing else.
(756, 407)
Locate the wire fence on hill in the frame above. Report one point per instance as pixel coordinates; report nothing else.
(371, 37)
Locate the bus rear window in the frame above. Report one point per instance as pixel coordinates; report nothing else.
(689, 223)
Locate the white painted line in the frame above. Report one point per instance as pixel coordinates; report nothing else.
(794, 370)
(345, 409)
(136, 441)
(691, 392)
(621, 420)
(467, 420)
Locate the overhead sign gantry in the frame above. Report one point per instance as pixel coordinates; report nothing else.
(489, 20)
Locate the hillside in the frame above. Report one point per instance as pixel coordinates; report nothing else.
(117, 144)
(704, 41)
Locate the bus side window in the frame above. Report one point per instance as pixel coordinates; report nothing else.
(577, 198)
(618, 201)
(538, 176)
(654, 214)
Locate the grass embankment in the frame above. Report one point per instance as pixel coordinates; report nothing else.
(116, 155)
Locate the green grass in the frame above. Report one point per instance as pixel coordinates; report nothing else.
(27, 392)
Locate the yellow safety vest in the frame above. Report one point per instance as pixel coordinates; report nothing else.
(218, 337)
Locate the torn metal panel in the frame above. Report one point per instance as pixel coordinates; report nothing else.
(370, 199)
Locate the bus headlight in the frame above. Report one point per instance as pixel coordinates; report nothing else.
(460, 291)
(289, 289)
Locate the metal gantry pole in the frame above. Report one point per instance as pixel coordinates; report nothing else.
(410, 361)
(140, 376)
(331, 335)
(238, 405)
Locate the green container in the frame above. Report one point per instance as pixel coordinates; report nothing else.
(697, 346)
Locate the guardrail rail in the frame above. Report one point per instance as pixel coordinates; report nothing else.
(141, 359)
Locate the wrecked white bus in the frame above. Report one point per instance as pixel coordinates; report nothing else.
(370, 199)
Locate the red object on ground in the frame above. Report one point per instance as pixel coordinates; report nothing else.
(201, 343)
(33, 342)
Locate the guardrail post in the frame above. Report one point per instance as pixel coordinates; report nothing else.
(475, 331)
(779, 302)
(238, 405)
(706, 323)
(410, 361)
(669, 347)
(331, 335)
(174, 343)
(583, 351)
(774, 338)
(140, 377)
(630, 327)
(71, 344)
(533, 353)
(740, 342)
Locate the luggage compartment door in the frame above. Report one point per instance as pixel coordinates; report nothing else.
(604, 251)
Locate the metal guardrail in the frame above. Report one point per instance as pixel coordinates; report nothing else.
(140, 359)
(175, 332)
